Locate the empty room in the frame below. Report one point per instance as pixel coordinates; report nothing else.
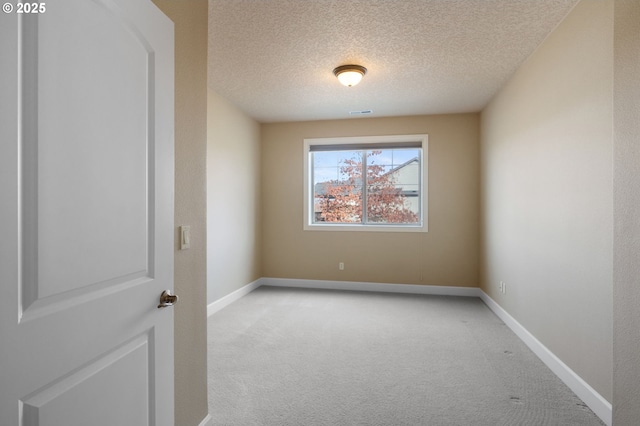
(320, 212)
(508, 109)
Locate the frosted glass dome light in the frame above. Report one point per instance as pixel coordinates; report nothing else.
(350, 75)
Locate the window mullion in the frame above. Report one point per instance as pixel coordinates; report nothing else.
(365, 197)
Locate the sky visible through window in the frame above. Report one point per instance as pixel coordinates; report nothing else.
(327, 164)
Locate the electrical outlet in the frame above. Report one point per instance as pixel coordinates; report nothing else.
(341, 266)
(502, 287)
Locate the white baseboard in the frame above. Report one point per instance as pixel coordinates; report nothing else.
(214, 307)
(600, 406)
(379, 287)
(207, 421)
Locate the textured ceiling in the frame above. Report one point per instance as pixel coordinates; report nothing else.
(274, 58)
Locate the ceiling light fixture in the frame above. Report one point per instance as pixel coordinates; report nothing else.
(350, 75)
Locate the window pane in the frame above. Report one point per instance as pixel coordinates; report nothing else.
(337, 188)
(393, 186)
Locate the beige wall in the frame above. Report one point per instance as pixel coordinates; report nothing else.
(626, 346)
(547, 222)
(190, 207)
(446, 255)
(233, 199)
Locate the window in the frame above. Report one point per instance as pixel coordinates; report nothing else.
(366, 183)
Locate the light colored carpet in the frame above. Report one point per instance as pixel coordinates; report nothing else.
(282, 356)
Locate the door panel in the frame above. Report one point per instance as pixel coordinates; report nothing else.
(105, 210)
(86, 222)
(76, 399)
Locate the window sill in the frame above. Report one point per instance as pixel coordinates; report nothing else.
(365, 228)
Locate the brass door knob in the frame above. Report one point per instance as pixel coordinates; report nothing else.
(167, 299)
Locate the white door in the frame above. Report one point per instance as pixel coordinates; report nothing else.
(86, 214)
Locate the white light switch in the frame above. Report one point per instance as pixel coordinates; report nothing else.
(185, 237)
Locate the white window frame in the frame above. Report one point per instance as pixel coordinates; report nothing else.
(365, 140)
